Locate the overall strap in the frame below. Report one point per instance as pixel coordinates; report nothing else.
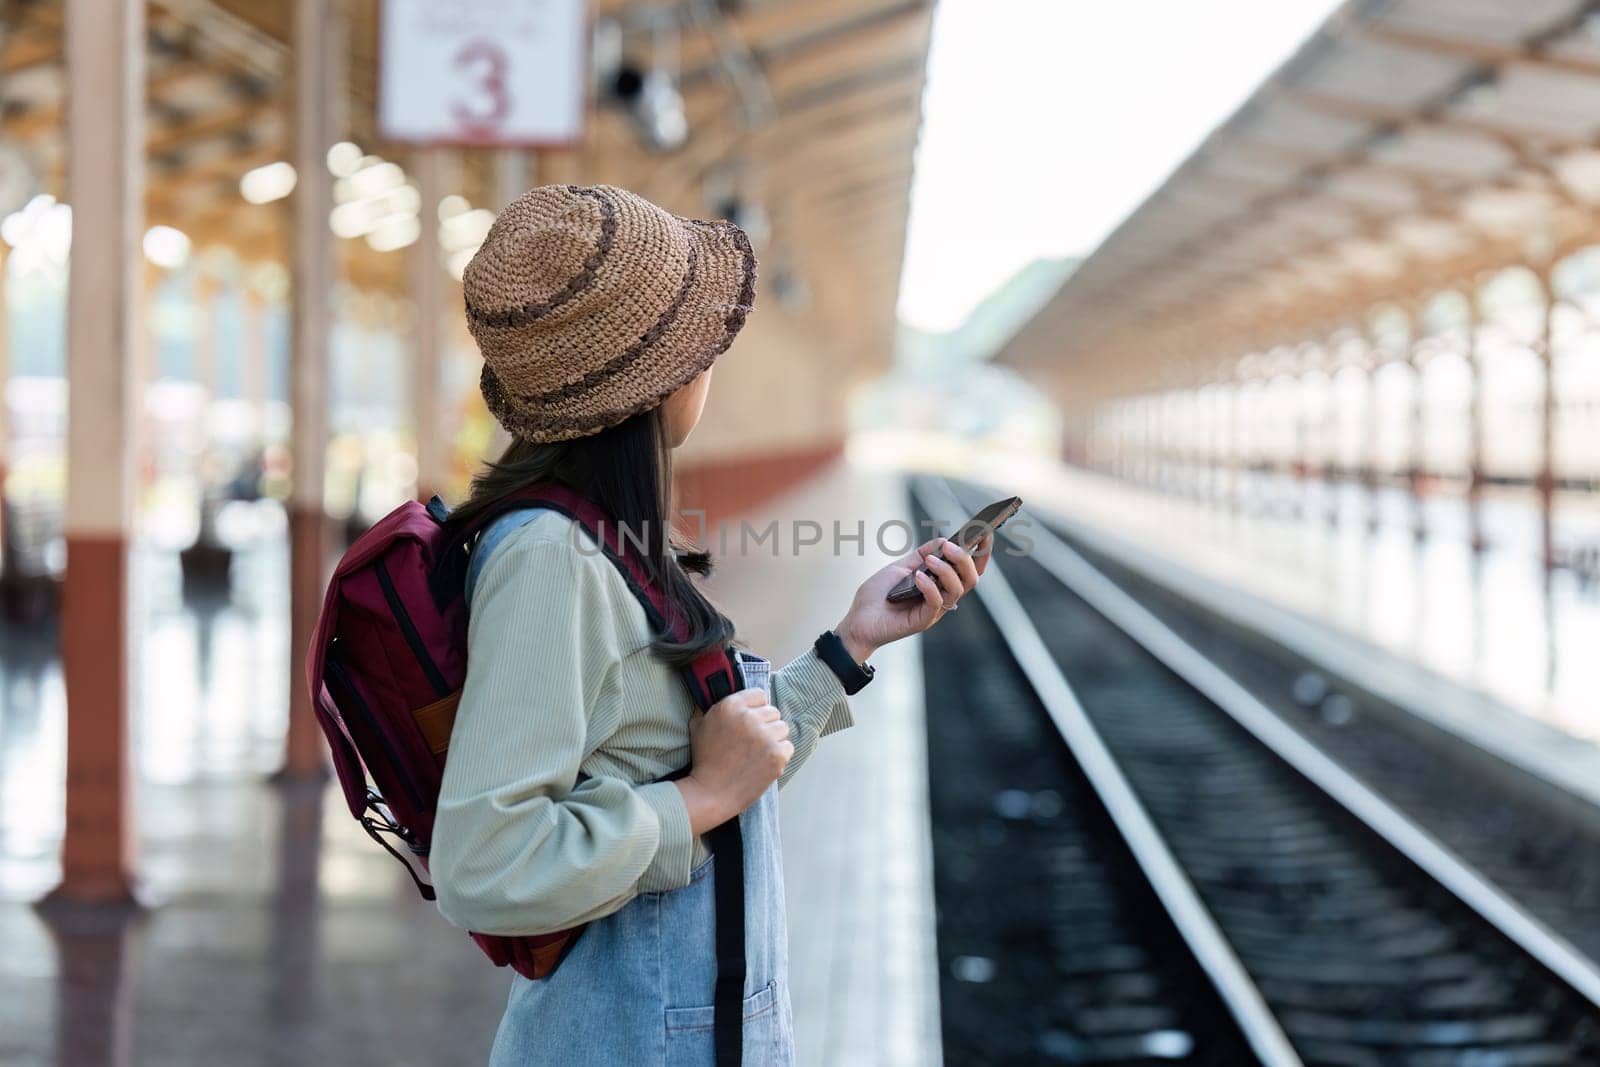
(711, 677)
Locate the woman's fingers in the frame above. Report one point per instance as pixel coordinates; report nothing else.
(982, 551)
(930, 591)
(949, 580)
(919, 555)
(965, 567)
(753, 697)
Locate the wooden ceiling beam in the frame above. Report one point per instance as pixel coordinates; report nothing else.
(217, 124)
(715, 146)
(1484, 53)
(868, 136)
(885, 200)
(45, 121)
(270, 19)
(215, 180)
(29, 48)
(773, 28)
(886, 44)
(847, 194)
(830, 171)
(1400, 118)
(903, 71)
(891, 44)
(895, 99)
(1310, 161)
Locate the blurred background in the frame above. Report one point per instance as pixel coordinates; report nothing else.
(1272, 735)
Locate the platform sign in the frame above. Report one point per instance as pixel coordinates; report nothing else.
(482, 72)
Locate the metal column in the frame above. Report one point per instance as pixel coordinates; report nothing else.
(427, 301)
(515, 174)
(1417, 442)
(318, 48)
(1545, 481)
(1475, 429)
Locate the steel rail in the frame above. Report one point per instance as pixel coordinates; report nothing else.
(1195, 924)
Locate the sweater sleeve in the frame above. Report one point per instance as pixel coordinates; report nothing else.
(520, 845)
(812, 701)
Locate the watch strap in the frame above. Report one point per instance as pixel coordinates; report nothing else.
(852, 675)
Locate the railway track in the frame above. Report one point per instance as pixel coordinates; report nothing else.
(1328, 927)
(1054, 946)
(1513, 832)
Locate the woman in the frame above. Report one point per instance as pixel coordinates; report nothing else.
(599, 316)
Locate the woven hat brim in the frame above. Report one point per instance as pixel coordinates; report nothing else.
(698, 326)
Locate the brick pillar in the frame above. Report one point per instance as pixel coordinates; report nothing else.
(105, 185)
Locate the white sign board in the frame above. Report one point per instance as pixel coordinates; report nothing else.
(482, 72)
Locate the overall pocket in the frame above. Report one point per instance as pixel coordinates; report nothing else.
(691, 1041)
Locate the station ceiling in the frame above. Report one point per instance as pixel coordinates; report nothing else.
(1408, 146)
(829, 162)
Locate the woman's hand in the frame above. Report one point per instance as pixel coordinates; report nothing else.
(738, 748)
(873, 622)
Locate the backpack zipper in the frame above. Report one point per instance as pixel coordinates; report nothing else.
(409, 630)
(334, 669)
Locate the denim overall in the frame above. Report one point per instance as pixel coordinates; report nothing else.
(636, 988)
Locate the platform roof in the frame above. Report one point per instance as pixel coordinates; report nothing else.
(831, 163)
(1406, 147)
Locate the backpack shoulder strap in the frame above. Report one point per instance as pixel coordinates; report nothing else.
(710, 677)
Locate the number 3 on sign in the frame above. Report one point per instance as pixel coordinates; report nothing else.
(483, 72)
(482, 99)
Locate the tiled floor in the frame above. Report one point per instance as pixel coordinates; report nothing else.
(283, 936)
(280, 934)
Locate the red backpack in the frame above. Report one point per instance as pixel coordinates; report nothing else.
(385, 669)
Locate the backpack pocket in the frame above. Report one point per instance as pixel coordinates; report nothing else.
(436, 721)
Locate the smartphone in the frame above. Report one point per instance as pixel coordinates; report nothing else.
(972, 531)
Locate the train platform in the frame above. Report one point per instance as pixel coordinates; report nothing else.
(1486, 646)
(857, 854)
(278, 934)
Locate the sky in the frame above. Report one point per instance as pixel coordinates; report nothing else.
(1045, 122)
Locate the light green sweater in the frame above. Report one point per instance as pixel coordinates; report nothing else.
(561, 682)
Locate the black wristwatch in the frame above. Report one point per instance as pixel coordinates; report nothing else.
(852, 675)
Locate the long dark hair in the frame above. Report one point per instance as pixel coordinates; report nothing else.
(627, 471)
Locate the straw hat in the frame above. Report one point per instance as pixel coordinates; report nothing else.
(591, 304)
